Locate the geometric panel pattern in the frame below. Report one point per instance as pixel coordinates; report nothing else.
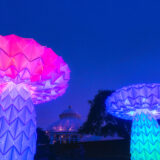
(125, 102)
(145, 138)
(23, 60)
(17, 124)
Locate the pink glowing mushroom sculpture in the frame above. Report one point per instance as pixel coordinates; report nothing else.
(29, 74)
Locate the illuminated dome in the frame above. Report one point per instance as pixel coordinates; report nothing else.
(70, 121)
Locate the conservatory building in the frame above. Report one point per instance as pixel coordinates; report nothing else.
(65, 130)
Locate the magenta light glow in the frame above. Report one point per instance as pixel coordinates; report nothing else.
(29, 74)
(23, 60)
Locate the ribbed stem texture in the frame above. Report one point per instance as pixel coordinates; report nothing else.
(17, 125)
(145, 138)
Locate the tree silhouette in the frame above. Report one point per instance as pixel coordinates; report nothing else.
(101, 123)
(42, 137)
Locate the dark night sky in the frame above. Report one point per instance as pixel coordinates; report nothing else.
(107, 44)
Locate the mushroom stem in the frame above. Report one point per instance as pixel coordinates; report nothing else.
(145, 137)
(17, 124)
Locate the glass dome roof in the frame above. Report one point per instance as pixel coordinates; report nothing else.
(70, 121)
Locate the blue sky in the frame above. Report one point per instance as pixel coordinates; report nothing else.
(107, 44)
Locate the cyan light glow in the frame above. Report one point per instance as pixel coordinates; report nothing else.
(140, 103)
(145, 138)
(29, 74)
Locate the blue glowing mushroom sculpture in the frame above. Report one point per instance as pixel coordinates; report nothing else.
(141, 104)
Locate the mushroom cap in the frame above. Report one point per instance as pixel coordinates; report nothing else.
(128, 101)
(23, 60)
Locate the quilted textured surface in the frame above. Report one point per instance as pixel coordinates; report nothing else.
(23, 60)
(17, 125)
(145, 138)
(127, 101)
